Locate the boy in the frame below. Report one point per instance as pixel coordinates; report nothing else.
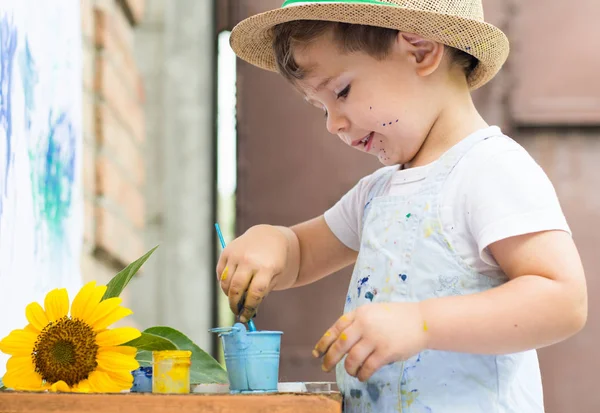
(463, 260)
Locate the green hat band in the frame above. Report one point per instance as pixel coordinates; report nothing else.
(287, 3)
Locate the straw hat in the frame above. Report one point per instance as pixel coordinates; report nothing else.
(456, 23)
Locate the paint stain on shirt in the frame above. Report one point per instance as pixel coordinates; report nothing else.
(428, 231)
(374, 392)
(355, 393)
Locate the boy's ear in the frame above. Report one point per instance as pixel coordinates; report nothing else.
(427, 53)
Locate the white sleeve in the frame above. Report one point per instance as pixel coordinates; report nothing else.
(345, 217)
(510, 195)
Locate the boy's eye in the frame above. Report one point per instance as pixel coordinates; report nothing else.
(344, 93)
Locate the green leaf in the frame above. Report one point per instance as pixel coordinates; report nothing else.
(204, 370)
(144, 357)
(120, 281)
(2, 385)
(151, 342)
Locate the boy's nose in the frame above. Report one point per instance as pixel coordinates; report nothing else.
(337, 123)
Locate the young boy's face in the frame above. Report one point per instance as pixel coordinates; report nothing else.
(381, 107)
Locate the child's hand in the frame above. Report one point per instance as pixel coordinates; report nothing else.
(250, 265)
(373, 336)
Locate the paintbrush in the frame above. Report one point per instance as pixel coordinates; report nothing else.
(250, 323)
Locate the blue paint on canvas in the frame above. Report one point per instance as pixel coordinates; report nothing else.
(41, 191)
(8, 46)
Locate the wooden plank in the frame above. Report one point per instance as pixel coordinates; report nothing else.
(153, 403)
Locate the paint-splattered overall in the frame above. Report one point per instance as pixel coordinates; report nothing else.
(405, 256)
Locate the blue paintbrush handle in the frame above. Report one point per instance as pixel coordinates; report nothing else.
(251, 325)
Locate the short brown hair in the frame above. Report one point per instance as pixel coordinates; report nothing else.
(375, 41)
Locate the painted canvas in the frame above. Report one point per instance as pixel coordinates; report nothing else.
(40, 154)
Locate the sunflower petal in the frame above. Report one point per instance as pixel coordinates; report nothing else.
(123, 379)
(18, 363)
(103, 309)
(117, 336)
(32, 329)
(56, 304)
(81, 299)
(60, 387)
(127, 350)
(82, 387)
(87, 300)
(36, 316)
(21, 376)
(118, 314)
(100, 382)
(111, 361)
(18, 343)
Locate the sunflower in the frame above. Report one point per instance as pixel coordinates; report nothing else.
(75, 353)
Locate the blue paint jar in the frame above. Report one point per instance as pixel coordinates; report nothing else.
(252, 359)
(142, 380)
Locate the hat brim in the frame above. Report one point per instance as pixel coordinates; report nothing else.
(252, 39)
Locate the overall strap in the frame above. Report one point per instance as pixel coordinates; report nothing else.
(381, 179)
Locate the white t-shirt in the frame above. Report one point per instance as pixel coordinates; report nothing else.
(496, 191)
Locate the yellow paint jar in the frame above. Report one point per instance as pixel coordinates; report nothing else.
(171, 371)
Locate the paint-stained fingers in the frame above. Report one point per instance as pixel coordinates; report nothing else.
(221, 265)
(357, 356)
(258, 289)
(332, 334)
(373, 363)
(226, 277)
(240, 280)
(346, 340)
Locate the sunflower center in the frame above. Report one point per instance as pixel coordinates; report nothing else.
(66, 350)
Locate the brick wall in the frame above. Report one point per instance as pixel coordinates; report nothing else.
(113, 163)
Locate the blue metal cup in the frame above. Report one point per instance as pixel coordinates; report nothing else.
(252, 359)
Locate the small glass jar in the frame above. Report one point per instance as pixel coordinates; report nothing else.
(171, 371)
(142, 380)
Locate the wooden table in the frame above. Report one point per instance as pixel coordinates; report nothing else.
(14, 402)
